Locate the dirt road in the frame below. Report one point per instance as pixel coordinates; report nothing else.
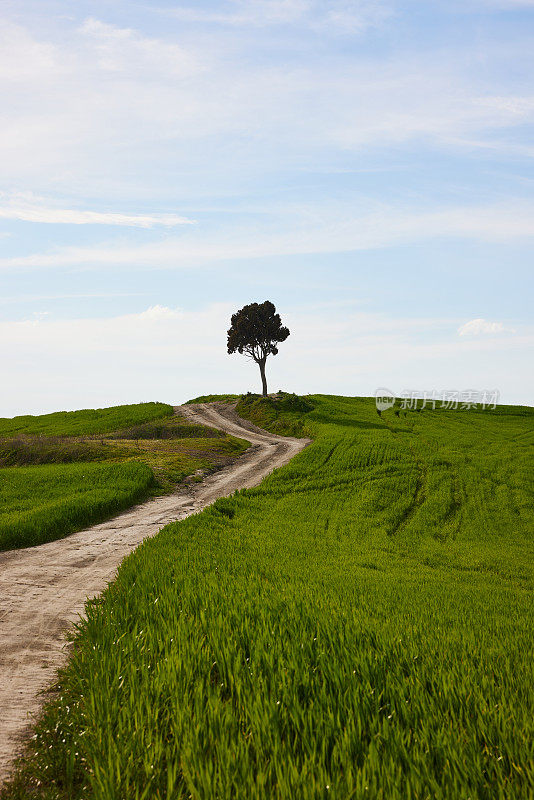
(43, 589)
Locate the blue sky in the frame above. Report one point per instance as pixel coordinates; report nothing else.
(366, 165)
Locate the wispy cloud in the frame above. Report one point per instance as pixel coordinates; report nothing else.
(128, 52)
(507, 4)
(245, 12)
(107, 97)
(304, 231)
(28, 208)
(343, 15)
(42, 298)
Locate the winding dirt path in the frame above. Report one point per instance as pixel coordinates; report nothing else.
(43, 589)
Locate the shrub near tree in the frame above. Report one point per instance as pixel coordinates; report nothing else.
(255, 332)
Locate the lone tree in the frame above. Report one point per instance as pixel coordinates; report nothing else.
(255, 332)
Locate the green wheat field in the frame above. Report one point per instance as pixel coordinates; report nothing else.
(358, 626)
(61, 472)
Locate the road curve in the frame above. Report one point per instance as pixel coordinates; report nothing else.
(43, 589)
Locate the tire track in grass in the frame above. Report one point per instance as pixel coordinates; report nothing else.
(419, 494)
(417, 500)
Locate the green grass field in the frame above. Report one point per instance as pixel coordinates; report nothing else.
(359, 626)
(62, 472)
(214, 398)
(85, 422)
(47, 502)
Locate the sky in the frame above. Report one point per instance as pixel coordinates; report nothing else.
(366, 165)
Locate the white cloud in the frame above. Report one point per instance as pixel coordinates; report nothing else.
(24, 206)
(475, 327)
(160, 313)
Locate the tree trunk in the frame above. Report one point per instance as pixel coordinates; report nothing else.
(263, 378)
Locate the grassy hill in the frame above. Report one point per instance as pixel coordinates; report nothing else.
(359, 626)
(86, 421)
(62, 472)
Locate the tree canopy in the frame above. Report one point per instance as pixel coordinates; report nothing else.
(255, 331)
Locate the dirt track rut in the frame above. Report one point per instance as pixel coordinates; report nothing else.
(43, 589)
